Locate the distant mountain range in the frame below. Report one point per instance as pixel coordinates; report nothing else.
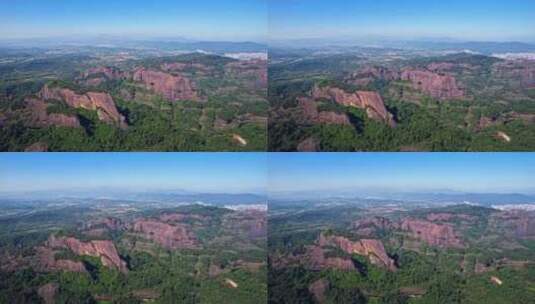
(483, 47)
(431, 198)
(148, 196)
(177, 44)
(474, 46)
(485, 199)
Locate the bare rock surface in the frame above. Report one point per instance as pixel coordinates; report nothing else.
(436, 85)
(172, 87)
(369, 101)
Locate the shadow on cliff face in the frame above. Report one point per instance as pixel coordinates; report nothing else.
(87, 124)
(360, 266)
(125, 112)
(356, 122)
(92, 270)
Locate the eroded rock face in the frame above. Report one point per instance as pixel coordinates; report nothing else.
(372, 73)
(369, 226)
(373, 249)
(525, 227)
(96, 101)
(98, 248)
(445, 217)
(171, 87)
(369, 101)
(108, 72)
(182, 66)
(311, 113)
(48, 292)
(437, 86)
(110, 223)
(47, 262)
(440, 66)
(37, 147)
(519, 224)
(40, 117)
(254, 69)
(318, 289)
(316, 260)
(310, 144)
(520, 72)
(168, 236)
(440, 235)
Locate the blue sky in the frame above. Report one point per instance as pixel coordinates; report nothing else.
(279, 172)
(496, 20)
(201, 172)
(199, 19)
(469, 172)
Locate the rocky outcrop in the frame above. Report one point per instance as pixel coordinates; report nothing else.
(110, 73)
(248, 222)
(310, 144)
(103, 249)
(440, 235)
(168, 236)
(445, 217)
(179, 217)
(95, 101)
(171, 87)
(48, 292)
(256, 70)
(371, 73)
(110, 223)
(525, 227)
(369, 226)
(517, 224)
(41, 118)
(369, 101)
(311, 113)
(373, 249)
(316, 260)
(185, 66)
(47, 262)
(436, 85)
(257, 227)
(239, 140)
(37, 147)
(521, 73)
(500, 135)
(440, 66)
(318, 289)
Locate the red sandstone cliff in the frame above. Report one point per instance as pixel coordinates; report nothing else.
(250, 69)
(40, 117)
(48, 292)
(169, 86)
(108, 72)
(168, 236)
(369, 101)
(311, 113)
(441, 235)
(47, 262)
(436, 85)
(96, 101)
(519, 72)
(373, 249)
(371, 73)
(316, 260)
(99, 248)
(370, 226)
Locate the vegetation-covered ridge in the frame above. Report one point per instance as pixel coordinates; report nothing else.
(189, 102)
(457, 254)
(454, 102)
(134, 254)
